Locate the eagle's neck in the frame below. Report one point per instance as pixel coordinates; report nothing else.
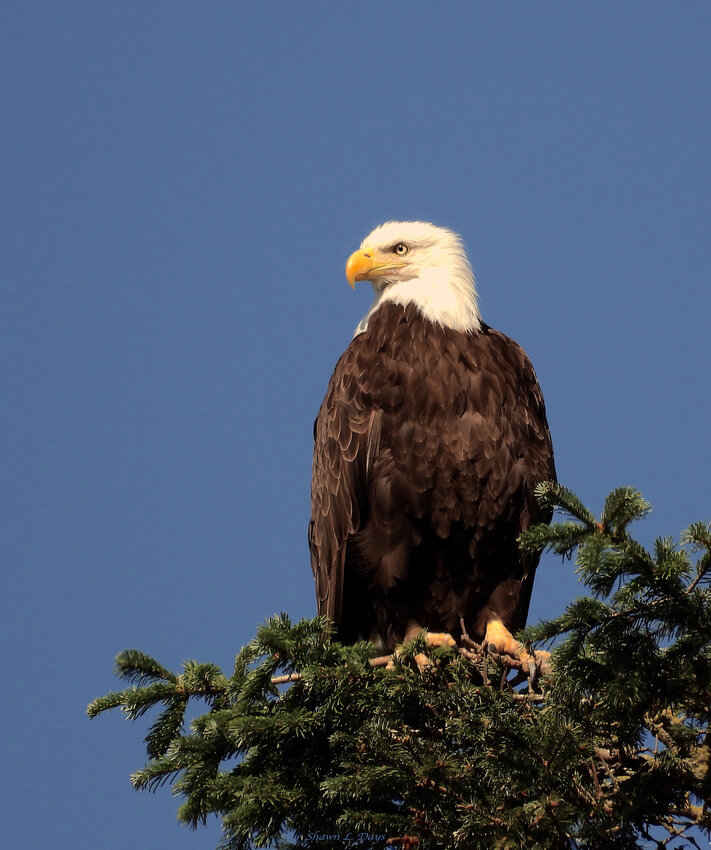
(442, 294)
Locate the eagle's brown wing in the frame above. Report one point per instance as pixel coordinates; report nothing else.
(345, 442)
(517, 455)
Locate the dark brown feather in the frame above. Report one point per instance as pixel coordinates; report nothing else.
(427, 448)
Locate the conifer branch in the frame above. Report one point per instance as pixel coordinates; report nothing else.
(139, 668)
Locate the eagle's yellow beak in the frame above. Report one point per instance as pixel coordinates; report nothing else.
(364, 263)
(359, 265)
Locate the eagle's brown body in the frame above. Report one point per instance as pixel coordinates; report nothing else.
(428, 446)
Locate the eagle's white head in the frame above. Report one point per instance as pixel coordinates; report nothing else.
(414, 262)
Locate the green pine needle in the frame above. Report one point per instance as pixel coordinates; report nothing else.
(139, 668)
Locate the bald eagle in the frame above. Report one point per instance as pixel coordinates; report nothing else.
(427, 449)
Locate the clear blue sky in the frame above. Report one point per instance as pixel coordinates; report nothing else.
(181, 186)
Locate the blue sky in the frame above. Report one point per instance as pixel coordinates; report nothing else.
(182, 184)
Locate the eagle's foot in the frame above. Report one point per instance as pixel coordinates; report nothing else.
(500, 639)
(440, 639)
(421, 659)
(432, 639)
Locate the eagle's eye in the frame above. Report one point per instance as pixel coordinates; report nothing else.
(400, 249)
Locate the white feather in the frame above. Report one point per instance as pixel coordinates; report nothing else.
(437, 278)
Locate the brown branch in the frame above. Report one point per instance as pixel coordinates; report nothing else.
(595, 779)
(658, 730)
(528, 697)
(465, 635)
(288, 677)
(699, 578)
(380, 661)
(610, 773)
(697, 814)
(404, 842)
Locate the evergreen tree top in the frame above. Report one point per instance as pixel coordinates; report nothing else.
(309, 743)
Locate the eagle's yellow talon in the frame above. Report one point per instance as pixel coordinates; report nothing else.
(500, 639)
(431, 639)
(440, 639)
(422, 661)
